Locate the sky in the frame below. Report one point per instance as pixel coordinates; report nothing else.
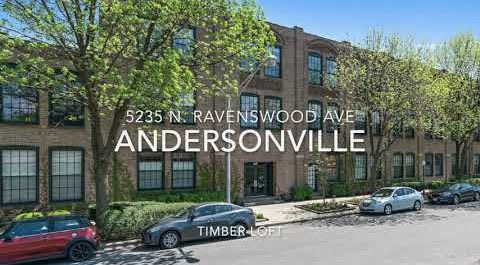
(428, 21)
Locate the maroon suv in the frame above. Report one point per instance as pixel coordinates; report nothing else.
(48, 237)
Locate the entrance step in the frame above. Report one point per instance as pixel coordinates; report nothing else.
(261, 200)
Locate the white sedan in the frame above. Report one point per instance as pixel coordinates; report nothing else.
(390, 199)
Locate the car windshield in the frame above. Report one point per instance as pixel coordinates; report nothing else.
(383, 193)
(187, 212)
(454, 187)
(4, 229)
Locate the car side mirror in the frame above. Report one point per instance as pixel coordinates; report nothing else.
(395, 196)
(194, 215)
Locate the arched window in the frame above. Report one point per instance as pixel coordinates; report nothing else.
(312, 176)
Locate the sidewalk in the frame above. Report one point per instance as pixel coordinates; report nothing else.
(283, 213)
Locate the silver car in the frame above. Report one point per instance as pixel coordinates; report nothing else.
(390, 199)
(202, 221)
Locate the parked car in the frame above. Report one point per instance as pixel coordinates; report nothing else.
(74, 237)
(388, 200)
(456, 193)
(200, 222)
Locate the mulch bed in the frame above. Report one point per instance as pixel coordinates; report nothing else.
(322, 208)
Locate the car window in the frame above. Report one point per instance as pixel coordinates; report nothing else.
(205, 210)
(30, 228)
(69, 224)
(408, 191)
(454, 187)
(383, 193)
(221, 208)
(399, 192)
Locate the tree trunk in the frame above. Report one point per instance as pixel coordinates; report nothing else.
(101, 176)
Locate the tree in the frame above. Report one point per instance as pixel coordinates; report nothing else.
(458, 114)
(385, 78)
(116, 55)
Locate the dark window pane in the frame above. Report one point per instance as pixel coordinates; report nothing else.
(66, 175)
(428, 171)
(316, 119)
(398, 165)
(183, 170)
(331, 71)
(19, 104)
(360, 166)
(438, 165)
(185, 109)
(312, 176)
(184, 41)
(19, 176)
(410, 165)
(315, 69)
(272, 106)
(65, 108)
(274, 70)
(249, 108)
(150, 171)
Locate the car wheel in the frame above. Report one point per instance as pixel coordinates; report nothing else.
(456, 200)
(388, 209)
(417, 206)
(477, 196)
(170, 239)
(80, 251)
(241, 230)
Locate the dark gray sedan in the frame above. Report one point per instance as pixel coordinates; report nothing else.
(202, 221)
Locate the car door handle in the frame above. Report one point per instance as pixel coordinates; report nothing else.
(209, 220)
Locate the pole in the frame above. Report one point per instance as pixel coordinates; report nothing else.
(229, 171)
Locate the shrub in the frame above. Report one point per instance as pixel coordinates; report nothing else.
(412, 184)
(301, 193)
(167, 197)
(58, 212)
(259, 216)
(127, 220)
(28, 215)
(339, 190)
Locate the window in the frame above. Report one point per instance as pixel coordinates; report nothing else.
(312, 175)
(272, 106)
(410, 165)
(408, 191)
(476, 164)
(274, 70)
(398, 165)
(331, 70)
(376, 123)
(66, 174)
(315, 115)
(183, 170)
(184, 41)
(150, 171)
(428, 170)
(222, 208)
(409, 132)
(333, 109)
(30, 228)
(249, 108)
(361, 120)
(360, 166)
(65, 110)
(399, 192)
(19, 175)
(19, 105)
(205, 210)
(67, 224)
(186, 107)
(438, 164)
(476, 136)
(314, 69)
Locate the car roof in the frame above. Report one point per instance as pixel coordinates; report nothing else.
(213, 203)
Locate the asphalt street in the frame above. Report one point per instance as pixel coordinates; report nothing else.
(435, 235)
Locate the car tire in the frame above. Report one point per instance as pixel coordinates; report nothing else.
(239, 226)
(456, 200)
(477, 196)
(417, 206)
(80, 251)
(387, 210)
(169, 240)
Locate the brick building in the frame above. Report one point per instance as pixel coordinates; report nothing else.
(47, 158)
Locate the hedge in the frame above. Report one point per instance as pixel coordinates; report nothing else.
(168, 197)
(127, 220)
(436, 184)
